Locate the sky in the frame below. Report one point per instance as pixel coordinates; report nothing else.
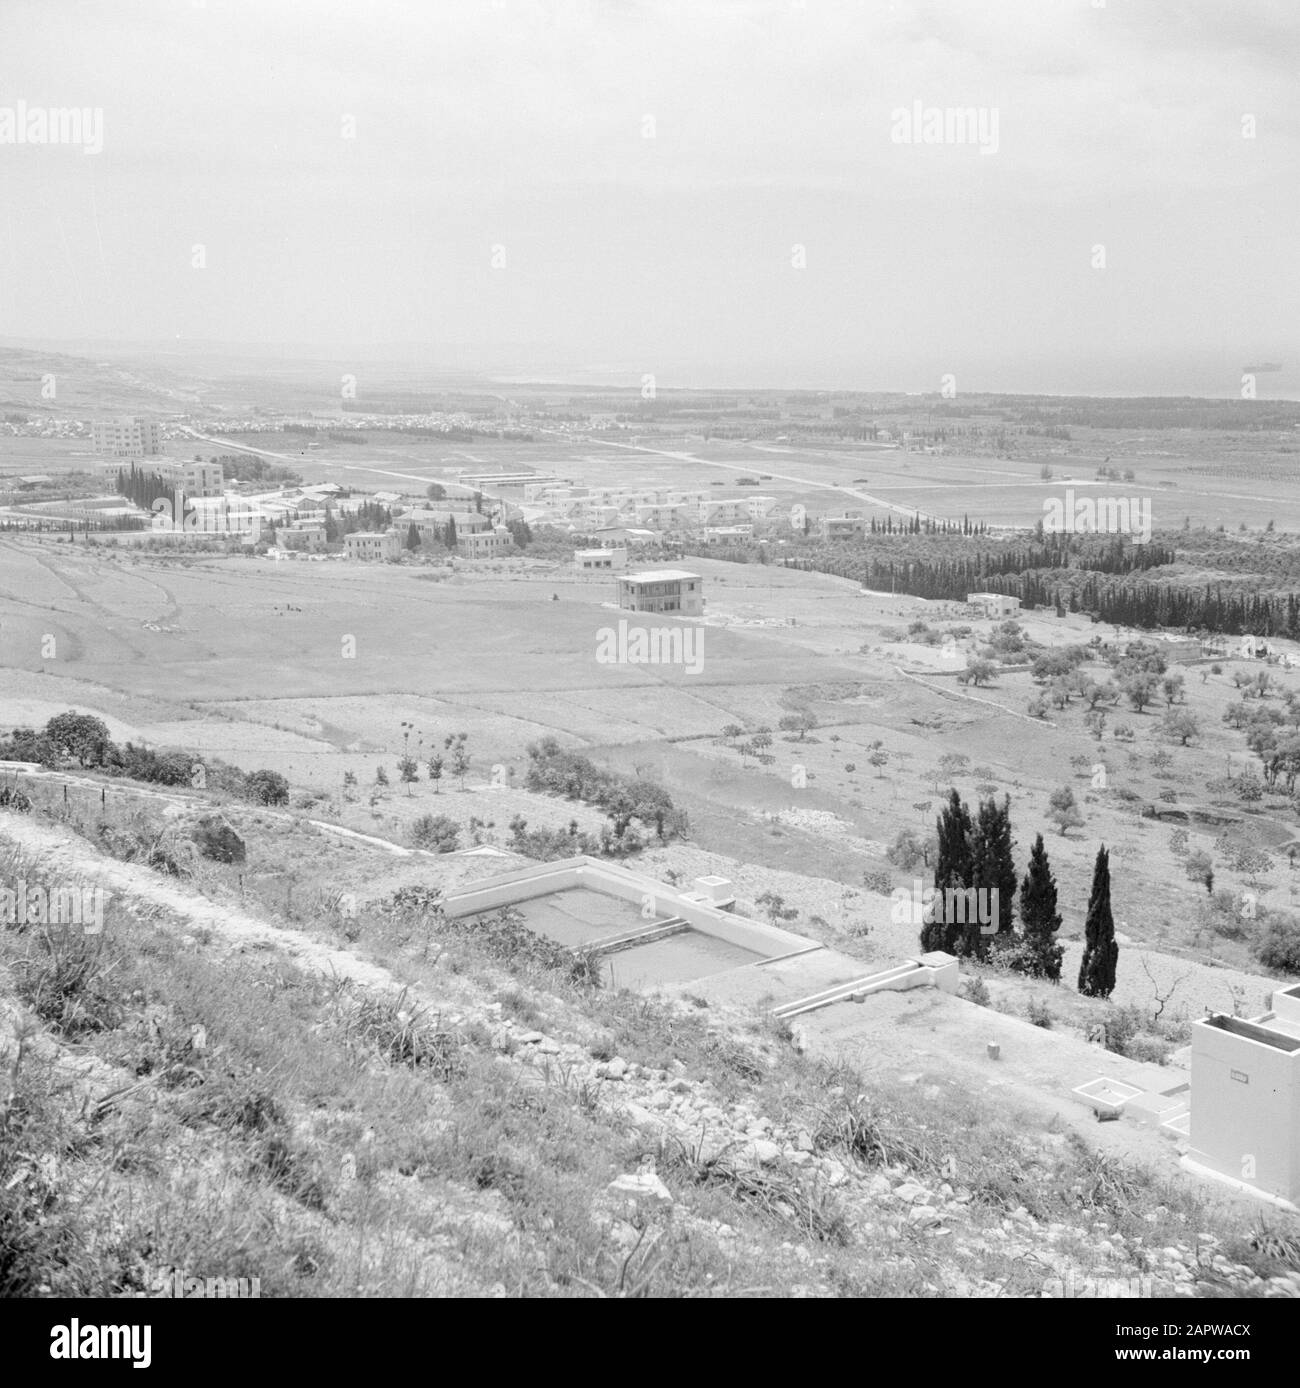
(709, 193)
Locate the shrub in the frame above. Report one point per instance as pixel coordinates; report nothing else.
(977, 991)
(1122, 1025)
(1039, 1013)
(266, 788)
(436, 832)
(1277, 946)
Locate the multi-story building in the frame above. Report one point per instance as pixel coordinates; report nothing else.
(486, 544)
(372, 545)
(433, 524)
(667, 515)
(196, 478)
(1245, 1099)
(727, 534)
(662, 590)
(304, 536)
(127, 437)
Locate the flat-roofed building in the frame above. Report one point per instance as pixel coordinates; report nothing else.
(843, 527)
(304, 536)
(1245, 1099)
(610, 560)
(127, 437)
(994, 604)
(195, 478)
(372, 545)
(662, 590)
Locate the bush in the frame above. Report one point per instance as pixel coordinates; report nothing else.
(1039, 1013)
(436, 832)
(1148, 1050)
(1277, 946)
(977, 991)
(266, 788)
(1122, 1025)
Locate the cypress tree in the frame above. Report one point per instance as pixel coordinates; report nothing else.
(1097, 968)
(992, 869)
(1039, 919)
(952, 868)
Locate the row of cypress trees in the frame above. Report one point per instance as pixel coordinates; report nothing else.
(976, 854)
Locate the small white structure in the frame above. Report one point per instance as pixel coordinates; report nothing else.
(612, 560)
(1245, 1100)
(994, 605)
(843, 527)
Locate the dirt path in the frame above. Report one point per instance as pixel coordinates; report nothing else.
(64, 856)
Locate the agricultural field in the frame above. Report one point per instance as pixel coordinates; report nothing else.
(326, 672)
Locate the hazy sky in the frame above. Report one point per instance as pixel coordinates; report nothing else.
(524, 126)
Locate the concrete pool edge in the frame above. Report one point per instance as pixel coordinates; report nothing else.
(543, 879)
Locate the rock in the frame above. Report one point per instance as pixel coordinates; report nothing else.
(923, 1216)
(911, 1193)
(215, 838)
(797, 1158)
(548, 1047)
(803, 1141)
(643, 1187)
(879, 1185)
(614, 1069)
(765, 1151)
(528, 1038)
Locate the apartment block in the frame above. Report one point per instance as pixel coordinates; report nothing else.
(127, 437)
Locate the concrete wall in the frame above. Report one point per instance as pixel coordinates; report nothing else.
(623, 885)
(1246, 1110)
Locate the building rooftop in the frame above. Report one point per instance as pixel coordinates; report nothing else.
(658, 576)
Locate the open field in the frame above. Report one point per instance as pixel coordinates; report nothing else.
(247, 662)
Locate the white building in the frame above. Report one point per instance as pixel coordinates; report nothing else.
(1245, 1099)
(196, 478)
(994, 605)
(610, 560)
(127, 437)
